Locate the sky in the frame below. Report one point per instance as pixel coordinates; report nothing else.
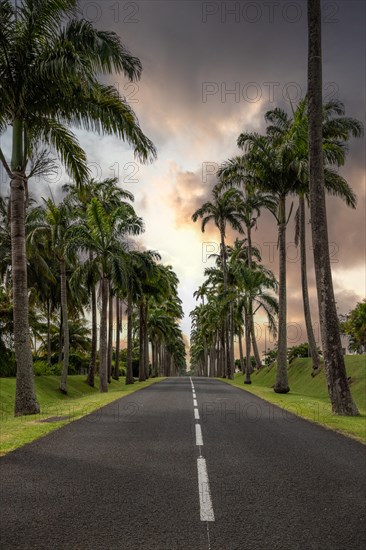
(210, 71)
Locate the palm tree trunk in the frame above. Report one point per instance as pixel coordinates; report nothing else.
(281, 385)
(335, 370)
(223, 353)
(304, 286)
(205, 358)
(103, 348)
(118, 338)
(110, 334)
(249, 240)
(212, 359)
(158, 358)
(254, 340)
(226, 329)
(65, 327)
(232, 339)
(60, 339)
(153, 359)
(48, 332)
(241, 355)
(248, 363)
(93, 359)
(129, 374)
(142, 372)
(258, 361)
(168, 363)
(218, 371)
(25, 395)
(146, 342)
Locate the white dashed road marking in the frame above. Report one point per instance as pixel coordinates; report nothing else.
(206, 510)
(199, 440)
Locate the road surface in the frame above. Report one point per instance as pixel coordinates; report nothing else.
(186, 464)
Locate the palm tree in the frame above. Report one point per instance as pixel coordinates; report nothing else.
(52, 225)
(269, 168)
(104, 234)
(253, 285)
(49, 64)
(233, 173)
(245, 276)
(111, 196)
(338, 386)
(293, 133)
(225, 209)
(118, 338)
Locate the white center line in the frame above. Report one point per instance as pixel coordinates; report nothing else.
(206, 509)
(195, 403)
(196, 414)
(194, 396)
(199, 439)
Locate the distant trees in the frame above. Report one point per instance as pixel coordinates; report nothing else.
(233, 291)
(78, 255)
(226, 209)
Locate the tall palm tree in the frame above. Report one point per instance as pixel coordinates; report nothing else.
(270, 168)
(52, 225)
(254, 285)
(233, 173)
(104, 233)
(49, 66)
(225, 209)
(337, 382)
(293, 133)
(140, 266)
(111, 196)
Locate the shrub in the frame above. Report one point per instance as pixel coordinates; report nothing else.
(41, 368)
(302, 350)
(270, 357)
(8, 366)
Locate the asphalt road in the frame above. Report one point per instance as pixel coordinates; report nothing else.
(148, 472)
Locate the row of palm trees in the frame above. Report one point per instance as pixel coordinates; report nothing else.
(273, 168)
(54, 69)
(79, 254)
(228, 307)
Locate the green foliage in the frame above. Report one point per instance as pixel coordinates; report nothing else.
(301, 350)
(270, 357)
(41, 368)
(8, 365)
(252, 362)
(354, 326)
(78, 363)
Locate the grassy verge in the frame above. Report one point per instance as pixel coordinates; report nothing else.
(308, 396)
(81, 400)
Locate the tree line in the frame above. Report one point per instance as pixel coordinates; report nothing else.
(271, 168)
(53, 69)
(79, 254)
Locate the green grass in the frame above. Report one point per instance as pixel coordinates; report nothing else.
(308, 396)
(80, 400)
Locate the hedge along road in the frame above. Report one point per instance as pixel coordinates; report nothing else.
(186, 464)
